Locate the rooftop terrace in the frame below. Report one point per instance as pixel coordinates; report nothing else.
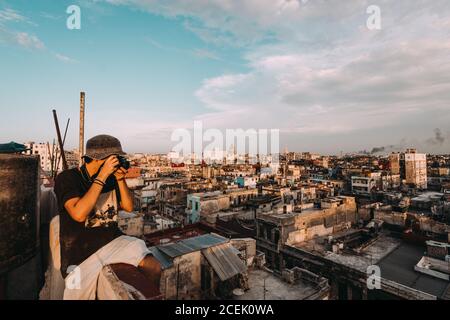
(398, 265)
(276, 288)
(395, 257)
(369, 255)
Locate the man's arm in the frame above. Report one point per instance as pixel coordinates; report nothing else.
(126, 198)
(80, 208)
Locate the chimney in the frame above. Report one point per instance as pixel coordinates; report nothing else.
(81, 146)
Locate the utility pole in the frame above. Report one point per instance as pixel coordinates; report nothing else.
(60, 142)
(81, 145)
(54, 151)
(64, 141)
(51, 157)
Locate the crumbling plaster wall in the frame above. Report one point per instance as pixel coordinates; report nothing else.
(182, 280)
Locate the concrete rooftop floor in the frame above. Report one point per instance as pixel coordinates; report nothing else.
(371, 255)
(396, 259)
(276, 288)
(399, 264)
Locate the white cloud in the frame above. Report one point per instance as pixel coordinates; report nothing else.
(64, 58)
(305, 93)
(197, 52)
(205, 54)
(28, 41)
(23, 39)
(10, 15)
(315, 68)
(238, 22)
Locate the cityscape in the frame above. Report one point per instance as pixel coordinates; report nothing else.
(307, 226)
(224, 151)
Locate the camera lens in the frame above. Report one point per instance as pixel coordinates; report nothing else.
(124, 163)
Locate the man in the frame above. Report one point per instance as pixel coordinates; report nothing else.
(89, 198)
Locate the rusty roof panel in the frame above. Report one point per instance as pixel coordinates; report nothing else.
(224, 260)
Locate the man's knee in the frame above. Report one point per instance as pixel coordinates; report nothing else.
(151, 264)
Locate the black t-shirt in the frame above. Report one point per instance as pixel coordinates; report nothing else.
(79, 240)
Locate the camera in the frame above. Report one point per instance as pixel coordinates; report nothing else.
(123, 162)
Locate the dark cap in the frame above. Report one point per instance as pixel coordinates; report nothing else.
(103, 146)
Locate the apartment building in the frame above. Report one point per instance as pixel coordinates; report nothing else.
(411, 166)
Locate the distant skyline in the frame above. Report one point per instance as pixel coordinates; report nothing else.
(309, 68)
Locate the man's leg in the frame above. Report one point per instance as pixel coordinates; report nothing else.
(152, 269)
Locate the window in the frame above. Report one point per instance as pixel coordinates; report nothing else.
(276, 236)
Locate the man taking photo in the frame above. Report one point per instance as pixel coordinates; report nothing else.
(89, 199)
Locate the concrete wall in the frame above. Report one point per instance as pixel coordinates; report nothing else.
(184, 275)
(308, 233)
(364, 212)
(135, 182)
(315, 223)
(308, 224)
(131, 224)
(208, 207)
(433, 267)
(248, 245)
(430, 225)
(388, 216)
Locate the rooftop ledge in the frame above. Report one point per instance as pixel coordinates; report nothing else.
(126, 282)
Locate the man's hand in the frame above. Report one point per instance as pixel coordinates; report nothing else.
(120, 173)
(108, 168)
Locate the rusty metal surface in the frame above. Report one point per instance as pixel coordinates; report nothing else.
(133, 277)
(19, 220)
(224, 260)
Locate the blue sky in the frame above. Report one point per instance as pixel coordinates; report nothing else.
(309, 68)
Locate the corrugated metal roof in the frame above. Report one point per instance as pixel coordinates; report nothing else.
(224, 260)
(164, 260)
(191, 244)
(177, 249)
(205, 241)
